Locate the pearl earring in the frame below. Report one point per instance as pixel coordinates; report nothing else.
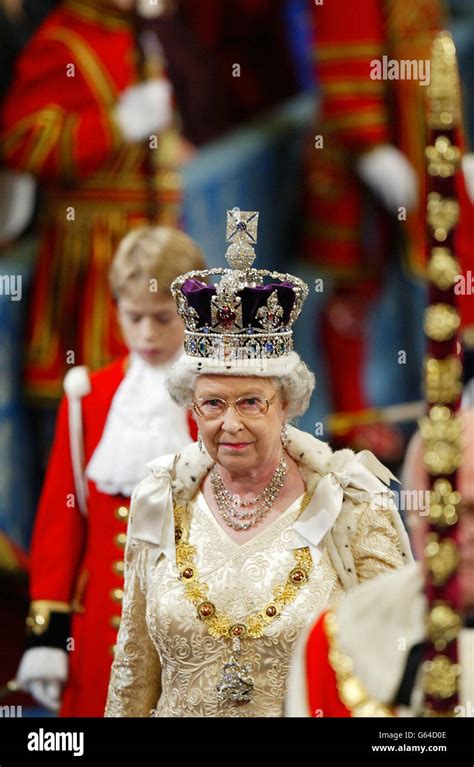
(200, 442)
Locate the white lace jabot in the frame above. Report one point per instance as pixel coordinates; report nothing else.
(143, 423)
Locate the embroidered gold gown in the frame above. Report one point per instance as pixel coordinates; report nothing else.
(168, 665)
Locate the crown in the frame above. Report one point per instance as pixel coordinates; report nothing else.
(242, 316)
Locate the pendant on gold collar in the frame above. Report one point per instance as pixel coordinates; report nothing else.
(236, 684)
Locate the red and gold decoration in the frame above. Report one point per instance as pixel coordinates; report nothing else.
(358, 113)
(347, 234)
(440, 427)
(336, 672)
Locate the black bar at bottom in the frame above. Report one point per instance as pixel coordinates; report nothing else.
(25, 741)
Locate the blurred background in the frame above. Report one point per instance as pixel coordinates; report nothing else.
(274, 112)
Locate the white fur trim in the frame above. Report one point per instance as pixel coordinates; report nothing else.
(314, 458)
(76, 385)
(263, 367)
(192, 464)
(77, 382)
(378, 624)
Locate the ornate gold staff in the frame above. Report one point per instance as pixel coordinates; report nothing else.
(163, 151)
(440, 427)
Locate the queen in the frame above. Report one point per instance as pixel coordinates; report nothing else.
(238, 542)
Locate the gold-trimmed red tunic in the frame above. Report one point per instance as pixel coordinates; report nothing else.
(357, 114)
(58, 124)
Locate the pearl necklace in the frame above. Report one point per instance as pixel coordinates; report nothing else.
(227, 504)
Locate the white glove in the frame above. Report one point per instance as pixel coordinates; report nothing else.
(17, 193)
(468, 171)
(42, 672)
(145, 109)
(389, 174)
(150, 10)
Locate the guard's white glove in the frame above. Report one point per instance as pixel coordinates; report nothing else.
(468, 171)
(17, 193)
(150, 9)
(145, 109)
(391, 177)
(42, 672)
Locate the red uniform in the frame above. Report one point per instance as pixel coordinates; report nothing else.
(346, 234)
(359, 113)
(323, 693)
(78, 560)
(58, 124)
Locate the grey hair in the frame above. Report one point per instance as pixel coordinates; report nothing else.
(294, 388)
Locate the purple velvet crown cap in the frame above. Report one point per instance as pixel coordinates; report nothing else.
(198, 295)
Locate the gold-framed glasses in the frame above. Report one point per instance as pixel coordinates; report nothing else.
(249, 406)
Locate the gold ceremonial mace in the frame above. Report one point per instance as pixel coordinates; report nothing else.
(163, 150)
(441, 427)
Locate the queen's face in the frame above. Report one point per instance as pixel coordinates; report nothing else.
(240, 443)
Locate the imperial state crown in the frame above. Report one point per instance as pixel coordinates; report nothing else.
(248, 314)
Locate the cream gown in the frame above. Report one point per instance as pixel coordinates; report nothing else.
(168, 665)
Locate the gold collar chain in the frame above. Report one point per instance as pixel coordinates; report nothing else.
(236, 684)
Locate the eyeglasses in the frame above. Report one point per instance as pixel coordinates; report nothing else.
(247, 407)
